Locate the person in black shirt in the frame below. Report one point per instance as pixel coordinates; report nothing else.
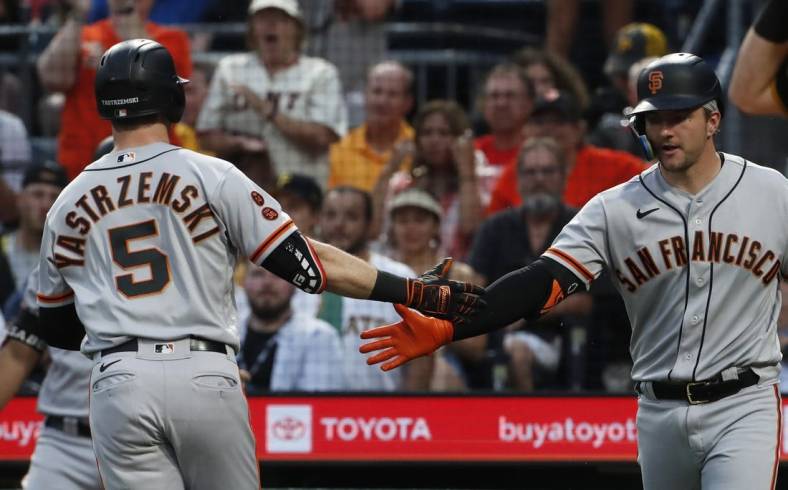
(514, 238)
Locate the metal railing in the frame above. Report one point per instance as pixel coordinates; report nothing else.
(459, 69)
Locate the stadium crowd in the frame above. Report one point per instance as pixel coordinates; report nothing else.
(314, 109)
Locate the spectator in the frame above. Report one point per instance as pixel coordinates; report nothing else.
(351, 35)
(562, 22)
(7, 282)
(514, 238)
(15, 157)
(358, 159)
(15, 150)
(506, 102)
(69, 62)
(634, 42)
(344, 223)
(415, 219)
(589, 169)
(550, 71)
(445, 165)
(40, 187)
(759, 83)
(301, 197)
(283, 349)
(274, 99)
(196, 91)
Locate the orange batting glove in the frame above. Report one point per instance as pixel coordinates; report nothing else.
(416, 335)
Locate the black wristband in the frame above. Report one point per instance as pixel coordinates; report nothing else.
(26, 330)
(389, 288)
(772, 23)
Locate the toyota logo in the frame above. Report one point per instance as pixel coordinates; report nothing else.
(288, 429)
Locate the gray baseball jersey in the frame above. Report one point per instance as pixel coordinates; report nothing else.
(144, 242)
(699, 275)
(148, 238)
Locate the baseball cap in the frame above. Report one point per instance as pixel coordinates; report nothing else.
(556, 102)
(302, 186)
(415, 198)
(48, 172)
(633, 42)
(290, 7)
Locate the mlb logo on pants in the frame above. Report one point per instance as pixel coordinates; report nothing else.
(164, 348)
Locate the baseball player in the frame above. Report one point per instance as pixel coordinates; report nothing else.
(138, 253)
(698, 245)
(63, 457)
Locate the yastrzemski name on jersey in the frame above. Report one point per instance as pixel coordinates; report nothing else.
(134, 188)
(728, 248)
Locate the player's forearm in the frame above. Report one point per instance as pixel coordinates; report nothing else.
(525, 293)
(57, 65)
(311, 135)
(753, 75)
(17, 360)
(346, 275)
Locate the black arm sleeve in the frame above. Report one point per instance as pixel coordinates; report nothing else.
(61, 327)
(520, 294)
(296, 262)
(26, 329)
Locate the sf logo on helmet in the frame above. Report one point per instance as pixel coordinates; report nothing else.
(655, 81)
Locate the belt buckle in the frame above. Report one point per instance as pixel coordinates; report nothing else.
(690, 399)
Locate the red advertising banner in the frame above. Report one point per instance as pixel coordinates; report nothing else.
(19, 428)
(422, 428)
(445, 429)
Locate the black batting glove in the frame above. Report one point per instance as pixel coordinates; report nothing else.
(433, 294)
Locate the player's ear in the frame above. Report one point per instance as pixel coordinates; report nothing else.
(713, 124)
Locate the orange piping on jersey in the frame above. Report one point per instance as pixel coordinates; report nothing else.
(556, 296)
(268, 241)
(54, 299)
(779, 437)
(577, 265)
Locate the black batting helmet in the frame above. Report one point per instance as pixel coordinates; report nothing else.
(137, 78)
(674, 82)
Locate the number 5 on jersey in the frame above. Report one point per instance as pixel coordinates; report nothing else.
(153, 258)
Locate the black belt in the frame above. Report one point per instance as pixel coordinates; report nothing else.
(195, 344)
(699, 392)
(70, 425)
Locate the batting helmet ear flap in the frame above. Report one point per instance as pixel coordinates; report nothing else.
(637, 124)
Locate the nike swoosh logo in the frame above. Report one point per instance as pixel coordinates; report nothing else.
(645, 213)
(105, 366)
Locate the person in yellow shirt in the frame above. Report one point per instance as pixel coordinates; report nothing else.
(358, 158)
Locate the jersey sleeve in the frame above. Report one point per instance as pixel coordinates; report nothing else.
(253, 219)
(582, 245)
(53, 291)
(327, 104)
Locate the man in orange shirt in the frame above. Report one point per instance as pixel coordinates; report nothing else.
(358, 159)
(506, 102)
(69, 63)
(589, 169)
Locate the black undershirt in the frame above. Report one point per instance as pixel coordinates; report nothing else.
(253, 345)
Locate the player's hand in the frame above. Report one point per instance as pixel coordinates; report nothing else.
(434, 294)
(416, 335)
